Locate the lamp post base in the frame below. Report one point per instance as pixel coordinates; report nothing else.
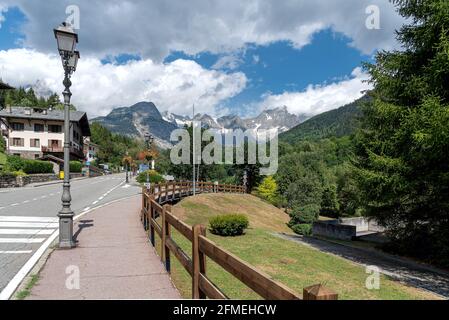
(66, 231)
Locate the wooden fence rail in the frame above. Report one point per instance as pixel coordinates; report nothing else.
(154, 206)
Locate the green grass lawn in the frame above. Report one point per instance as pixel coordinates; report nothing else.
(293, 264)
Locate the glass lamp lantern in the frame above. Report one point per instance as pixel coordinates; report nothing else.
(66, 38)
(73, 60)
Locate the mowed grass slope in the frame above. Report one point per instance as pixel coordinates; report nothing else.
(290, 263)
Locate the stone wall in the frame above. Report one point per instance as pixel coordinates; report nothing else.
(10, 181)
(37, 178)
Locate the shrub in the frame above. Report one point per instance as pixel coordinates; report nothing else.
(268, 189)
(304, 214)
(14, 164)
(154, 177)
(76, 167)
(36, 166)
(302, 229)
(228, 225)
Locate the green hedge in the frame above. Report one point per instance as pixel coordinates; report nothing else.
(76, 167)
(228, 225)
(154, 177)
(302, 229)
(14, 163)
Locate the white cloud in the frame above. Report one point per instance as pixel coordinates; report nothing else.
(229, 62)
(155, 28)
(317, 99)
(97, 87)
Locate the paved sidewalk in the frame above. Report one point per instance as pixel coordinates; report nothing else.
(114, 258)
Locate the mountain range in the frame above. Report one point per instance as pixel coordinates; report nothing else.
(145, 117)
(335, 123)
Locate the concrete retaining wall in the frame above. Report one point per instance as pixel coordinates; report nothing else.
(332, 229)
(346, 228)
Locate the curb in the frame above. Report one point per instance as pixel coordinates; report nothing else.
(40, 263)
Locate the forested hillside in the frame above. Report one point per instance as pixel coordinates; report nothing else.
(335, 123)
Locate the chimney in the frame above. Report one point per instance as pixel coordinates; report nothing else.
(44, 111)
(28, 111)
(9, 108)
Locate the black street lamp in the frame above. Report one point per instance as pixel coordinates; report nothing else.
(149, 139)
(67, 40)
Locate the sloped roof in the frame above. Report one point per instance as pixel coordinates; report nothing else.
(57, 115)
(4, 86)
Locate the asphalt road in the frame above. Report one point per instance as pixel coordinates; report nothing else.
(28, 215)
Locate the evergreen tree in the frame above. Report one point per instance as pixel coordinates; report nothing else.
(403, 146)
(329, 203)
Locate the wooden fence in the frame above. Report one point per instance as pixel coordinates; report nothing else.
(153, 207)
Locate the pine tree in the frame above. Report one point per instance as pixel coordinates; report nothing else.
(402, 148)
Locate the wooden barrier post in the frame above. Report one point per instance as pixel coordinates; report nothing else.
(319, 292)
(165, 252)
(151, 214)
(198, 261)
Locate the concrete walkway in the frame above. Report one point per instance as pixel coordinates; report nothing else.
(114, 259)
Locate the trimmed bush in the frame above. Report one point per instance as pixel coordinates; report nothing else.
(302, 229)
(76, 167)
(228, 225)
(14, 163)
(154, 177)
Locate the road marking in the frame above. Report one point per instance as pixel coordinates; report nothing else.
(21, 240)
(86, 209)
(12, 285)
(28, 219)
(14, 204)
(101, 198)
(26, 201)
(37, 232)
(28, 225)
(95, 202)
(43, 197)
(2, 208)
(35, 199)
(16, 252)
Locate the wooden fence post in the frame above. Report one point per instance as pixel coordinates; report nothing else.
(165, 252)
(198, 261)
(151, 217)
(319, 292)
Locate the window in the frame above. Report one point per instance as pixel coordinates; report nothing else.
(54, 128)
(18, 142)
(55, 143)
(35, 143)
(38, 127)
(16, 126)
(36, 156)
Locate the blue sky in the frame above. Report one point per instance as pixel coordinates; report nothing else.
(229, 67)
(279, 67)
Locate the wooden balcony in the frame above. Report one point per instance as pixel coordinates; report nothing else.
(60, 150)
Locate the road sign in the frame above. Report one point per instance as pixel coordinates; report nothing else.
(147, 185)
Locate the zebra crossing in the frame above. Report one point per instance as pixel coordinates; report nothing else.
(18, 234)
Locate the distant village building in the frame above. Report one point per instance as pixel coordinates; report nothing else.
(33, 133)
(90, 150)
